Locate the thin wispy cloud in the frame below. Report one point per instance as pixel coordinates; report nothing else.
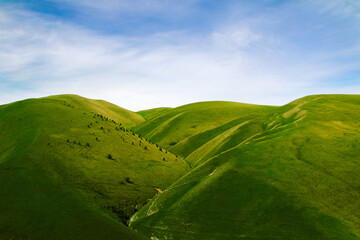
(261, 53)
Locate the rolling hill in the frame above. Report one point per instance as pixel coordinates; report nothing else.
(290, 172)
(76, 168)
(70, 168)
(150, 113)
(178, 129)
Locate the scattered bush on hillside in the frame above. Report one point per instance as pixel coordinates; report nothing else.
(97, 139)
(172, 143)
(66, 104)
(164, 159)
(68, 140)
(87, 145)
(129, 181)
(145, 148)
(110, 157)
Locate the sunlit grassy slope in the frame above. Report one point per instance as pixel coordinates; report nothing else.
(291, 172)
(71, 169)
(178, 129)
(148, 114)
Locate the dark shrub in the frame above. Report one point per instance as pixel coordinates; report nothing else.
(128, 180)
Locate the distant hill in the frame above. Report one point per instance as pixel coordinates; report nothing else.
(150, 113)
(182, 130)
(290, 172)
(70, 168)
(76, 168)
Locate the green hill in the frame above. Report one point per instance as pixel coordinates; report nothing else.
(71, 169)
(289, 172)
(150, 113)
(176, 129)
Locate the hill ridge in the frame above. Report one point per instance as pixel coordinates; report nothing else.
(257, 172)
(298, 168)
(89, 160)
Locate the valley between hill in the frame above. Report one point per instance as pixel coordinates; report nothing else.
(75, 168)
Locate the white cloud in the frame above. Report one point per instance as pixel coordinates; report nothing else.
(344, 8)
(237, 38)
(234, 62)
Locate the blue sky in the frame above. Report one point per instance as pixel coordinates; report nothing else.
(141, 54)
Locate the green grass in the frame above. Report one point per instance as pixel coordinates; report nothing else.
(151, 113)
(174, 128)
(57, 180)
(290, 173)
(70, 170)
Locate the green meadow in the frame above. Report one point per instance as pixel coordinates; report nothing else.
(71, 168)
(76, 168)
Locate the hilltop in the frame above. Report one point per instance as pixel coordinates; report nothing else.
(71, 168)
(76, 168)
(183, 129)
(289, 172)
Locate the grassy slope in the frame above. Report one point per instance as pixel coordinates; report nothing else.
(175, 128)
(151, 113)
(121, 115)
(291, 174)
(53, 186)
